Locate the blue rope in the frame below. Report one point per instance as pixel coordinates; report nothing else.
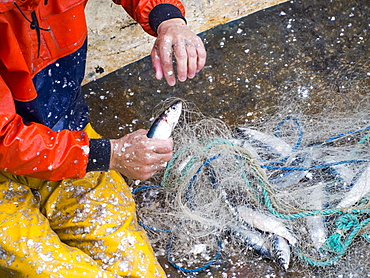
(188, 198)
(288, 168)
(140, 222)
(169, 246)
(300, 130)
(190, 270)
(347, 133)
(144, 187)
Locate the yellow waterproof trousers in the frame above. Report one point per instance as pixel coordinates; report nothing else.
(72, 228)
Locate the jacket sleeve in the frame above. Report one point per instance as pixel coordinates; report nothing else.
(150, 13)
(36, 151)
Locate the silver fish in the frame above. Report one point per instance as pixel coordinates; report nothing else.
(253, 239)
(271, 143)
(361, 186)
(266, 223)
(316, 224)
(163, 126)
(281, 251)
(267, 245)
(264, 234)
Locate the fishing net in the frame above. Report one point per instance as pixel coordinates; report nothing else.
(287, 186)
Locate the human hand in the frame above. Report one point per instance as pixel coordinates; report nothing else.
(138, 157)
(176, 39)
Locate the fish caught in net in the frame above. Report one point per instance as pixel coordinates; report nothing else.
(292, 189)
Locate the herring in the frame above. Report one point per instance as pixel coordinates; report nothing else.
(360, 187)
(265, 223)
(271, 246)
(281, 251)
(253, 239)
(316, 224)
(274, 144)
(255, 226)
(163, 126)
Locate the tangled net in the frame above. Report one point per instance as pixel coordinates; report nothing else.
(258, 189)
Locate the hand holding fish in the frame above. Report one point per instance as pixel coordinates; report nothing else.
(176, 39)
(138, 157)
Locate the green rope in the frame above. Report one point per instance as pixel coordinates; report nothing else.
(344, 246)
(190, 164)
(347, 223)
(364, 139)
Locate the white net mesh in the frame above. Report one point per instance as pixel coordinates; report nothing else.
(292, 185)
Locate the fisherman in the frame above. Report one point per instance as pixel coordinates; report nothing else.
(64, 211)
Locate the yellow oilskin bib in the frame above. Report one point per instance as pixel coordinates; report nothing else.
(72, 228)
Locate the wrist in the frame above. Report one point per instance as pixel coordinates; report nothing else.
(170, 23)
(162, 13)
(114, 147)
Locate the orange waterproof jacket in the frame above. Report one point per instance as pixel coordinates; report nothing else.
(42, 60)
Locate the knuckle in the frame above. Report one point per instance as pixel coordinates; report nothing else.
(192, 53)
(181, 54)
(202, 54)
(148, 160)
(146, 170)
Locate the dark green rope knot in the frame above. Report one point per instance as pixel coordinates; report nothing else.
(346, 222)
(334, 244)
